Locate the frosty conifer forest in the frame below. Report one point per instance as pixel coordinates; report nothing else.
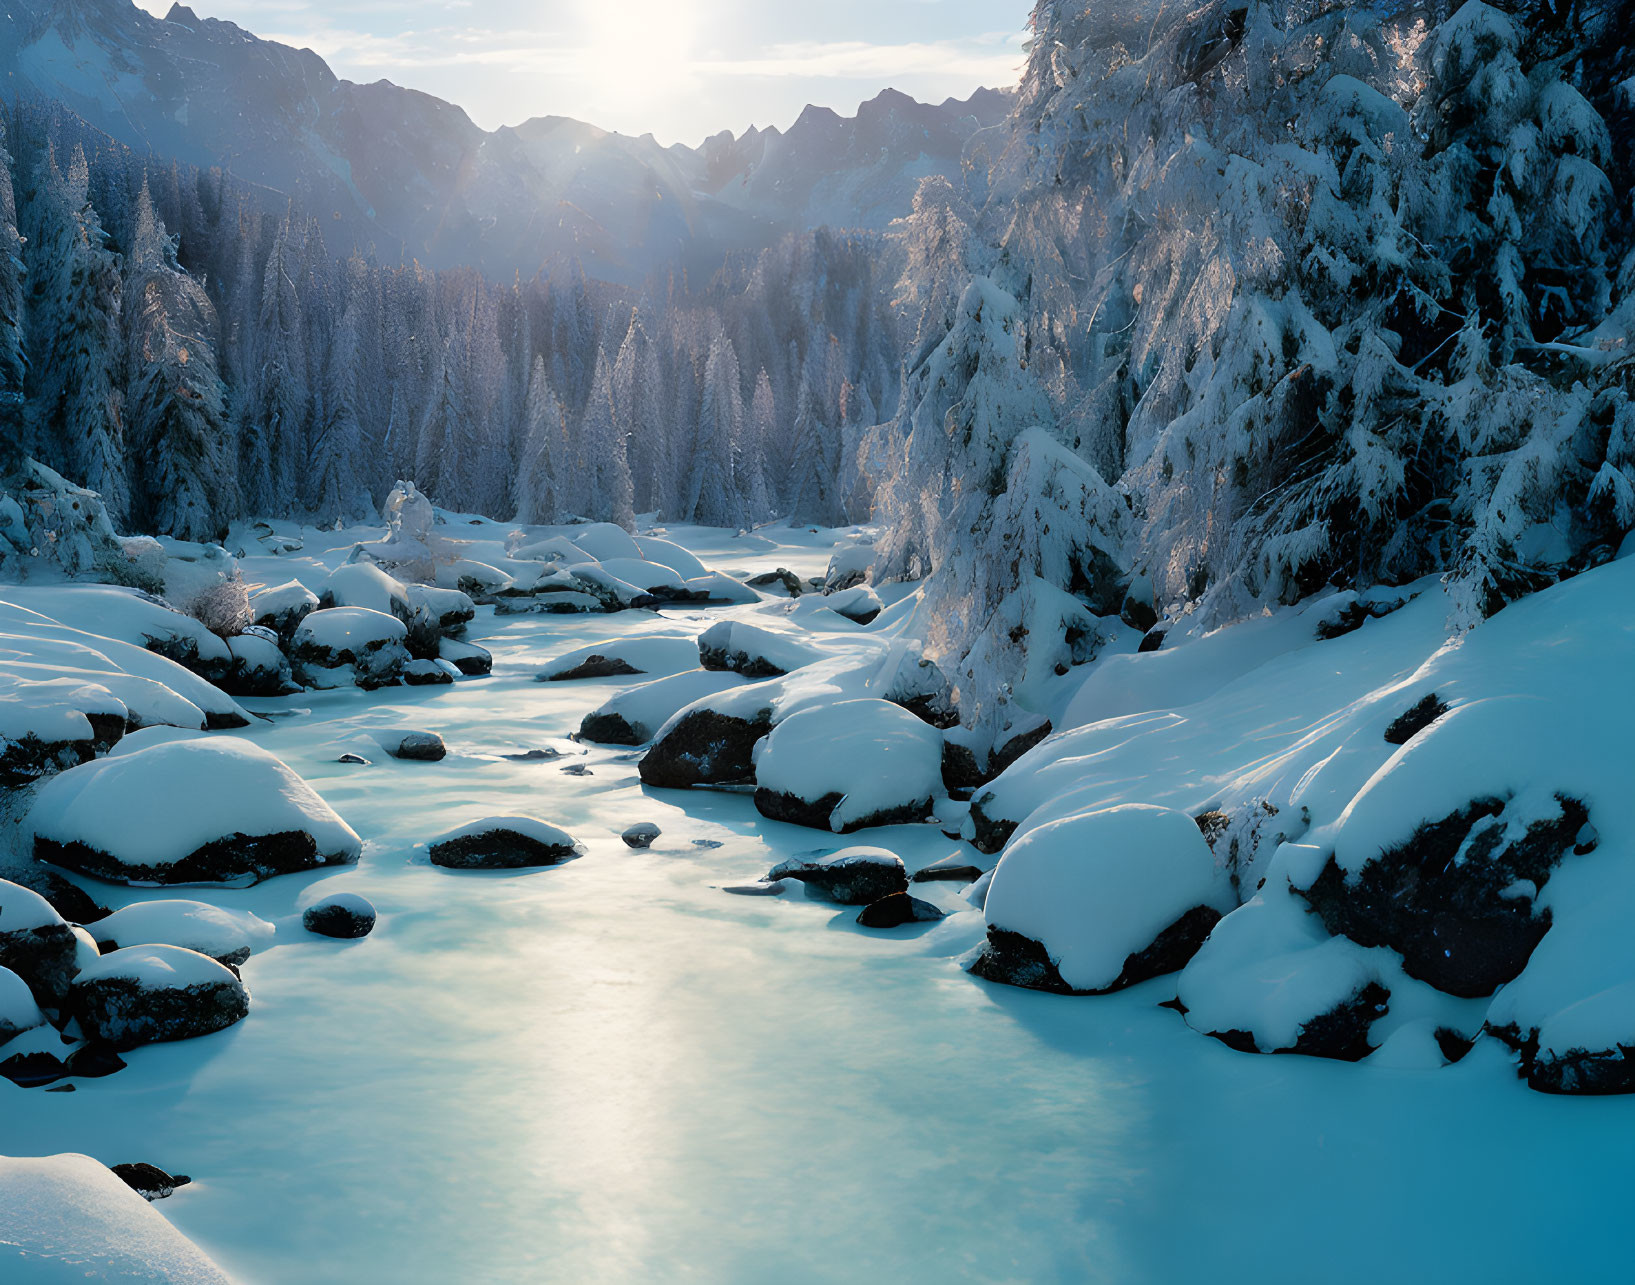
(1029, 687)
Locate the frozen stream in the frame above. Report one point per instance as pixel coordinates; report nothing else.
(614, 1071)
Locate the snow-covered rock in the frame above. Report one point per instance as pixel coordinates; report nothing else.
(859, 603)
(635, 714)
(155, 994)
(228, 936)
(130, 616)
(1269, 979)
(667, 554)
(848, 566)
(641, 835)
(342, 915)
(753, 651)
(282, 608)
(69, 1217)
(471, 660)
(845, 766)
(36, 944)
(851, 877)
(655, 654)
(502, 843)
(718, 588)
(411, 746)
(259, 666)
(19, 1011)
(1102, 900)
(346, 645)
(47, 724)
(363, 584)
(202, 810)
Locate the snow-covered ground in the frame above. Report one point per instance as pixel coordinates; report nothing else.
(613, 1070)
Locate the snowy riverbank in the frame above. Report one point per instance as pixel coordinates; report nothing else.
(612, 1069)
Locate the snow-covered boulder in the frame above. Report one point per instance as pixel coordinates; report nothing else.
(752, 651)
(343, 915)
(36, 943)
(52, 528)
(845, 766)
(668, 554)
(1270, 980)
(1443, 854)
(69, 1217)
(133, 617)
(859, 603)
(851, 877)
(605, 541)
(848, 566)
(710, 742)
(443, 610)
(471, 660)
(47, 724)
(780, 583)
(259, 666)
(718, 589)
(228, 936)
(427, 673)
(346, 645)
(363, 584)
(282, 608)
(203, 810)
(502, 843)
(655, 654)
(155, 994)
(635, 714)
(19, 1010)
(1101, 900)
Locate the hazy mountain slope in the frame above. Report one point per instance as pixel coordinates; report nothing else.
(408, 175)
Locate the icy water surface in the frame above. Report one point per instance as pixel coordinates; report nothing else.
(614, 1071)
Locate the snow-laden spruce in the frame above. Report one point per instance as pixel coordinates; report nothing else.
(218, 810)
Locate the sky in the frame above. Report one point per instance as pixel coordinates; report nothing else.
(679, 69)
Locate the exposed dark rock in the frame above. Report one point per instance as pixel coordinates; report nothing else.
(345, 917)
(595, 667)
(234, 859)
(94, 1061)
(1347, 619)
(44, 957)
(122, 1013)
(419, 747)
(29, 759)
(471, 660)
(1460, 925)
(779, 805)
(960, 771)
(425, 673)
(1152, 640)
(991, 833)
(1584, 1072)
(1340, 1034)
(850, 881)
(737, 662)
(355, 759)
(1017, 960)
(641, 835)
(705, 748)
(576, 769)
(896, 910)
(1453, 1044)
(782, 578)
(498, 849)
(948, 872)
(609, 729)
(534, 756)
(775, 889)
(149, 1181)
(31, 1070)
(1406, 726)
(1138, 614)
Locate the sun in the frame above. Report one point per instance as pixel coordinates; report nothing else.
(644, 48)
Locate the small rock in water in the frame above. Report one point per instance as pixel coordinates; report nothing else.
(948, 870)
(342, 915)
(896, 910)
(641, 835)
(418, 747)
(149, 1181)
(502, 843)
(353, 758)
(578, 769)
(774, 889)
(852, 876)
(534, 756)
(706, 844)
(62, 1088)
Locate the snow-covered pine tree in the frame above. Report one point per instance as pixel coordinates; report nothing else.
(603, 449)
(272, 427)
(335, 460)
(13, 355)
(712, 486)
(538, 498)
(177, 422)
